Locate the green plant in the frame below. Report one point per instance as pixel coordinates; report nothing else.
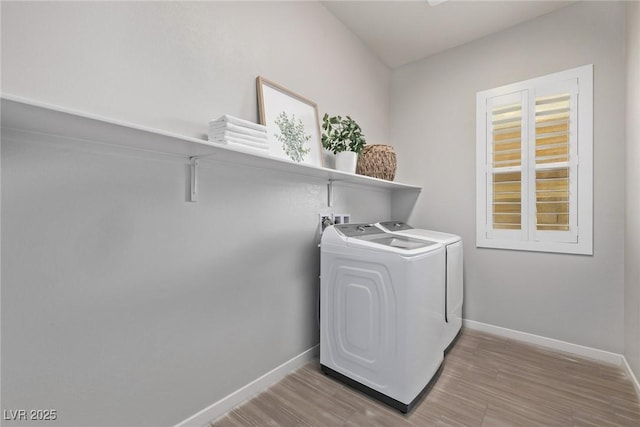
(342, 134)
(292, 137)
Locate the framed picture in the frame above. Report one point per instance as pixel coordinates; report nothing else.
(292, 123)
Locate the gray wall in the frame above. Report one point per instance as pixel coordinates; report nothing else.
(121, 303)
(632, 208)
(578, 299)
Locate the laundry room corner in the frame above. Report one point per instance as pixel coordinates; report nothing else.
(574, 298)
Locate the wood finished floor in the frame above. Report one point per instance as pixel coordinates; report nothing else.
(486, 381)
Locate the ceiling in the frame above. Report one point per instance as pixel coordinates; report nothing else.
(400, 32)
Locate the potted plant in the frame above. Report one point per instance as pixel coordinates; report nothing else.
(343, 137)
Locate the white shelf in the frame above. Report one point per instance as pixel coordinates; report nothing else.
(32, 116)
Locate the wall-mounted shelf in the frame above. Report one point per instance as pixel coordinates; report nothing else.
(32, 116)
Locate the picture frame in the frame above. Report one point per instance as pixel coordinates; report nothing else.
(292, 123)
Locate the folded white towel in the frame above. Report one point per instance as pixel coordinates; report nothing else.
(239, 122)
(243, 141)
(245, 148)
(222, 134)
(238, 129)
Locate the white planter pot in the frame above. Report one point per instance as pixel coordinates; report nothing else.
(346, 161)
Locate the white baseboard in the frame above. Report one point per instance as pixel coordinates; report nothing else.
(579, 350)
(634, 379)
(229, 402)
(243, 394)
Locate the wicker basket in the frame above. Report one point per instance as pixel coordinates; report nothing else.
(377, 161)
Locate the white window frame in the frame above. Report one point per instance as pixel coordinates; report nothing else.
(579, 239)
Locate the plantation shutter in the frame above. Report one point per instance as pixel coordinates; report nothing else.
(507, 180)
(554, 163)
(506, 134)
(532, 156)
(534, 164)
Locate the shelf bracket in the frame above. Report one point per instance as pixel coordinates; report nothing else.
(193, 194)
(330, 193)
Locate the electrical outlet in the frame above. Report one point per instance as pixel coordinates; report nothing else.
(342, 218)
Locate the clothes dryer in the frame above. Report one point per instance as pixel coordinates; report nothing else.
(454, 291)
(382, 320)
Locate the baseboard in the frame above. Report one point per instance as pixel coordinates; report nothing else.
(229, 402)
(579, 350)
(634, 379)
(243, 394)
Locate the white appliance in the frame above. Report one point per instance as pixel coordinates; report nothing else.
(381, 318)
(453, 278)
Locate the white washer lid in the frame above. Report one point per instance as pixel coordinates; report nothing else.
(436, 236)
(404, 229)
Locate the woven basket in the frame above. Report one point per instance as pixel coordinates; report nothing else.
(377, 161)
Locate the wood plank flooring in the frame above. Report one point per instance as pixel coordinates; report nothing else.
(487, 381)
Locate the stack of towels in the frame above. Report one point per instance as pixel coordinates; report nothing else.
(239, 133)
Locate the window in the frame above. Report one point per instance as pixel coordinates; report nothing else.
(534, 146)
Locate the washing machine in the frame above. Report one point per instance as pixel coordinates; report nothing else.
(453, 277)
(381, 318)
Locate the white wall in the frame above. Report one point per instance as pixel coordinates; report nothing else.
(632, 207)
(176, 66)
(578, 299)
(121, 303)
